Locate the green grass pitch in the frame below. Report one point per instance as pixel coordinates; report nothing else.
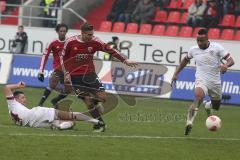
(153, 129)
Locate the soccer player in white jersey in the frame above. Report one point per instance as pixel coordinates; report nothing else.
(207, 56)
(40, 117)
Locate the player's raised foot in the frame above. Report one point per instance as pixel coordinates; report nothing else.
(100, 127)
(188, 129)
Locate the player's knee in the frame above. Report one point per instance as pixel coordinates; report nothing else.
(87, 101)
(102, 97)
(53, 84)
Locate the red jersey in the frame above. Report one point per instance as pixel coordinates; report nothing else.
(55, 47)
(78, 55)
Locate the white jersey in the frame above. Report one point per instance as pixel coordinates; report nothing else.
(17, 111)
(208, 62)
(36, 117)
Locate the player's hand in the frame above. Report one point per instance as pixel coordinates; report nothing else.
(130, 63)
(223, 68)
(41, 76)
(173, 81)
(21, 84)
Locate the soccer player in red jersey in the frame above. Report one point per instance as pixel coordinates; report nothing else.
(79, 69)
(57, 76)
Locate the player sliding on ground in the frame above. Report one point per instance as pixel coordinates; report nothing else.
(208, 57)
(40, 117)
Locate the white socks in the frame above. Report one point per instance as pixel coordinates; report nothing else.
(191, 116)
(82, 117)
(208, 105)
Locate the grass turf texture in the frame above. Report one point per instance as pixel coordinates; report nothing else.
(153, 129)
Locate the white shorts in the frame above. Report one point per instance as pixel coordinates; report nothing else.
(214, 91)
(41, 117)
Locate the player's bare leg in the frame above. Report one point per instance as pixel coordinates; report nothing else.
(76, 116)
(95, 110)
(193, 109)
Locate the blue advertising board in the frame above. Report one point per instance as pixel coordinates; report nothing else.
(184, 87)
(26, 67)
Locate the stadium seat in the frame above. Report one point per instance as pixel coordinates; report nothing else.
(228, 20)
(237, 24)
(2, 6)
(118, 27)
(174, 4)
(195, 32)
(237, 36)
(187, 4)
(186, 31)
(145, 29)
(160, 16)
(158, 30)
(184, 18)
(132, 28)
(213, 33)
(227, 34)
(171, 31)
(105, 26)
(174, 17)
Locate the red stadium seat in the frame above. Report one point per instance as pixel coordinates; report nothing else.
(2, 6)
(237, 24)
(105, 26)
(160, 16)
(195, 32)
(184, 18)
(214, 33)
(185, 31)
(174, 17)
(118, 27)
(187, 4)
(228, 20)
(132, 28)
(172, 31)
(237, 36)
(227, 34)
(158, 30)
(175, 4)
(145, 29)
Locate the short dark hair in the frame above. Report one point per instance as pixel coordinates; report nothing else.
(16, 93)
(203, 31)
(21, 26)
(114, 38)
(86, 27)
(60, 26)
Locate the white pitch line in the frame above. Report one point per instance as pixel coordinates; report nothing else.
(123, 136)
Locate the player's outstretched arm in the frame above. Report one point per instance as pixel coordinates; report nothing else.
(8, 89)
(183, 64)
(130, 63)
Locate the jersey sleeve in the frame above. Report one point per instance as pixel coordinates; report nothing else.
(189, 54)
(107, 48)
(222, 52)
(11, 100)
(45, 56)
